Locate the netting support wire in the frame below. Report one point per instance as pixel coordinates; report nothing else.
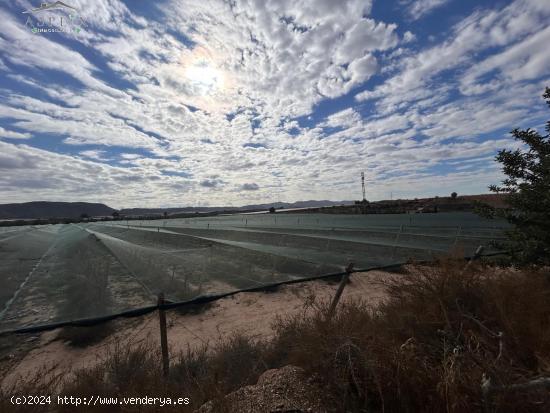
(488, 388)
(201, 300)
(163, 336)
(340, 290)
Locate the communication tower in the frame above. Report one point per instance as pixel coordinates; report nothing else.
(363, 185)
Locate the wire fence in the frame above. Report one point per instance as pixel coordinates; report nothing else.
(488, 388)
(206, 299)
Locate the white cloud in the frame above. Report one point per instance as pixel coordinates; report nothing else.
(525, 60)
(409, 37)
(420, 8)
(345, 118)
(13, 135)
(481, 31)
(443, 90)
(276, 51)
(237, 139)
(21, 47)
(30, 173)
(95, 155)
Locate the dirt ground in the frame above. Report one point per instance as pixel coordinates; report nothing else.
(250, 313)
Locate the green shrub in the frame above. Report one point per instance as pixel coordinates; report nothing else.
(528, 185)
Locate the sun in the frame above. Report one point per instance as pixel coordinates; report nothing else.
(204, 77)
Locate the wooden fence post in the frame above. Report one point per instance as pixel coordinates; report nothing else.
(163, 336)
(340, 290)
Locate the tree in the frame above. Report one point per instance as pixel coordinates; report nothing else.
(116, 215)
(454, 195)
(528, 187)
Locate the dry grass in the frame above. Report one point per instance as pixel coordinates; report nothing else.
(426, 348)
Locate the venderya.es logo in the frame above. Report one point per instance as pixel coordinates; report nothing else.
(56, 17)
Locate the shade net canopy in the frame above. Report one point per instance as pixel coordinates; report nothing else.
(66, 272)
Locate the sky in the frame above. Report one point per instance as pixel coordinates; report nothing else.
(204, 103)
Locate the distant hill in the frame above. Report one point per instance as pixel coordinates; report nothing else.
(299, 204)
(286, 205)
(494, 200)
(45, 209)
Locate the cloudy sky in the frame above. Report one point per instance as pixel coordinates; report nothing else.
(172, 103)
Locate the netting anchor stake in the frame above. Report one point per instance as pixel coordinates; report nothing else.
(163, 336)
(340, 290)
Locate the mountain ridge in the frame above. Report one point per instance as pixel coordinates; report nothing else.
(53, 209)
(60, 209)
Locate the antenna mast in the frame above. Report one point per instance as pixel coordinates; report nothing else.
(363, 184)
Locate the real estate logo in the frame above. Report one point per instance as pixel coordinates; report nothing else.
(56, 17)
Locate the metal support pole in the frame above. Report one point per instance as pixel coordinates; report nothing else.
(163, 337)
(476, 255)
(458, 231)
(340, 290)
(396, 241)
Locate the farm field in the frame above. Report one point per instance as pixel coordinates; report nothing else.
(63, 272)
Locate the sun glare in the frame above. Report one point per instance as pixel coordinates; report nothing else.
(204, 77)
(206, 83)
